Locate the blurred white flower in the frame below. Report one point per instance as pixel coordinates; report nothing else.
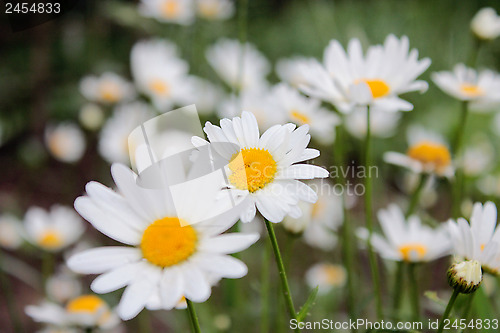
(429, 194)
(427, 153)
(326, 276)
(84, 311)
(10, 232)
(482, 88)
(169, 11)
(160, 73)
(407, 239)
(294, 70)
(486, 24)
(477, 159)
(215, 9)
(481, 239)
(109, 88)
(242, 67)
(489, 184)
(302, 110)
(52, 230)
(114, 137)
(91, 116)
(382, 123)
(348, 79)
(63, 286)
(65, 142)
(206, 97)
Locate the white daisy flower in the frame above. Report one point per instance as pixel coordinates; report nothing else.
(479, 240)
(477, 159)
(302, 110)
(486, 24)
(52, 230)
(241, 67)
(168, 11)
(207, 96)
(83, 311)
(91, 116)
(109, 88)
(349, 78)
(489, 184)
(263, 169)
(294, 70)
(215, 9)
(164, 257)
(63, 286)
(160, 73)
(382, 123)
(114, 142)
(482, 88)
(319, 220)
(326, 276)
(427, 153)
(408, 239)
(65, 142)
(10, 232)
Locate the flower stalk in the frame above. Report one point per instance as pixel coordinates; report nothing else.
(193, 317)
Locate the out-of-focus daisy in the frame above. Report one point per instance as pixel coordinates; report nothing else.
(479, 240)
(382, 123)
(486, 24)
(326, 276)
(84, 311)
(114, 137)
(294, 70)
(264, 169)
(215, 9)
(302, 110)
(319, 220)
(207, 96)
(109, 88)
(52, 230)
(349, 78)
(242, 67)
(482, 88)
(408, 239)
(489, 184)
(160, 73)
(427, 153)
(10, 232)
(91, 116)
(63, 286)
(164, 256)
(169, 11)
(477, 159)
(65, 142)
(429, 194)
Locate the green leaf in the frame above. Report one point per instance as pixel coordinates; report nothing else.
(307, 305)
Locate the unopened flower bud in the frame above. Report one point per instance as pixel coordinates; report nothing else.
(465, 276)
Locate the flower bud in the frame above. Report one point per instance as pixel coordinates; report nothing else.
(486, 24)
(465, 276)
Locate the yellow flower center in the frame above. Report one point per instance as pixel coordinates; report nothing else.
(471, 90)
(170, 9)
(109, 92)
(431, 153)
(166, 243)
(335, 275)
(482, 247)
(379, 88)
(56, 144)
(208, 9)
(413, 252)
(159, 87)
(252, 169)
(299, 117)
(317, 208)
(85, 303)
(50, 239)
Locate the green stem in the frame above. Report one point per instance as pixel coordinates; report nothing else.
(398, 288)
(459, 134)
(194, 318)
(47, 267)
(415, 294)
(265, 289)
(446, 313)
(369, 220)
(287, 295)
(468, 305)
(415, 197)
(10, 300)
(456, 149)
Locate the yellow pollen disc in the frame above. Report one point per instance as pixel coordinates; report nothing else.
(50, 239)
(170, 9)
(317, 208)
(166, 243)
(431, 153)
(299, 117)
(159, 87)
(335, 275)
(471, 90)
(56, 145)
(408, 251)
(482, 247)
(379, 88)
(208, 10)
(85, 303)
(252, 169)
(109, 92)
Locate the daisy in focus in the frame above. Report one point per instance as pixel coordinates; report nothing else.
(52, 230)
(215, 9)
(486, 24)
(164, 256)
(168, 11)
(408, 239)
(479, 240)
(263, 169)
(482, 88)
(109, 88)
(326, 276)
(427, 153)
(349, 78)
(65, 142)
